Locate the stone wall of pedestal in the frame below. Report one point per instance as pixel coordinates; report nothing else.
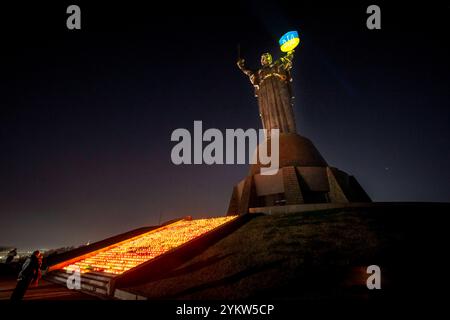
(292, 191)
(304, 177)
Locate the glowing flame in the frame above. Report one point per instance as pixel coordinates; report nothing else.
(137, 250)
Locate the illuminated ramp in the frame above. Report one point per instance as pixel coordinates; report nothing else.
(131, 258)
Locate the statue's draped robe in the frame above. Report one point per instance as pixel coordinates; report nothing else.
(273, 90)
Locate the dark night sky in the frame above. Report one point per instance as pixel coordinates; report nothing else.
(86, 116)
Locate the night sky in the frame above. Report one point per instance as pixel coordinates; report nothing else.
(86, 116)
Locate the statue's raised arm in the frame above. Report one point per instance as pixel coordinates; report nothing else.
(250, 73)
(286, 61)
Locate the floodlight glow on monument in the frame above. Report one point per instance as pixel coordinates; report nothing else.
(132, 252)
(289, 41)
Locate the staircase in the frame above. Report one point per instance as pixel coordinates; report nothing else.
(94, 283)
(101, 268)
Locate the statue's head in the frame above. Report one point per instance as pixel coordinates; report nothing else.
(266, 59)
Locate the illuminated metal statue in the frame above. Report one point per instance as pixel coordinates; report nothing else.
(272, 83)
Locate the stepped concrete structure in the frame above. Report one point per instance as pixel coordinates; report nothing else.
(304, 176)
(137, 255)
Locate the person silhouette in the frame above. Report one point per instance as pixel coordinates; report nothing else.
(29, 274)
(11, 255)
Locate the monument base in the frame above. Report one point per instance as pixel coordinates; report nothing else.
(304, 177)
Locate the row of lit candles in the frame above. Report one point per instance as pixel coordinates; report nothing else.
(147, 246)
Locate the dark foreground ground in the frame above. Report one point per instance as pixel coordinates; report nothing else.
(44, 291)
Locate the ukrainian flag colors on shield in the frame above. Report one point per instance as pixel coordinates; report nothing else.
(289, 41)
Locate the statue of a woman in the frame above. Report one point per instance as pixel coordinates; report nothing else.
(273, 90)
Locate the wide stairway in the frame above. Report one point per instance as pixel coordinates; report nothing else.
(98, 268)
(95, 283)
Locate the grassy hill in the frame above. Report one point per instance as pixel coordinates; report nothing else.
(318, 255)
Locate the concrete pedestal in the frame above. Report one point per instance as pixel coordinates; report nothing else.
(304, 177)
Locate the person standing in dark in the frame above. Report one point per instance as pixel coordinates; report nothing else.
(30, 274)
(11, 256)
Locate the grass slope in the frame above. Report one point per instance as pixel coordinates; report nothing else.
(308, 256)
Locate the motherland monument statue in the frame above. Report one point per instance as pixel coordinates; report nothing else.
(304, 177)
(272, 83)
